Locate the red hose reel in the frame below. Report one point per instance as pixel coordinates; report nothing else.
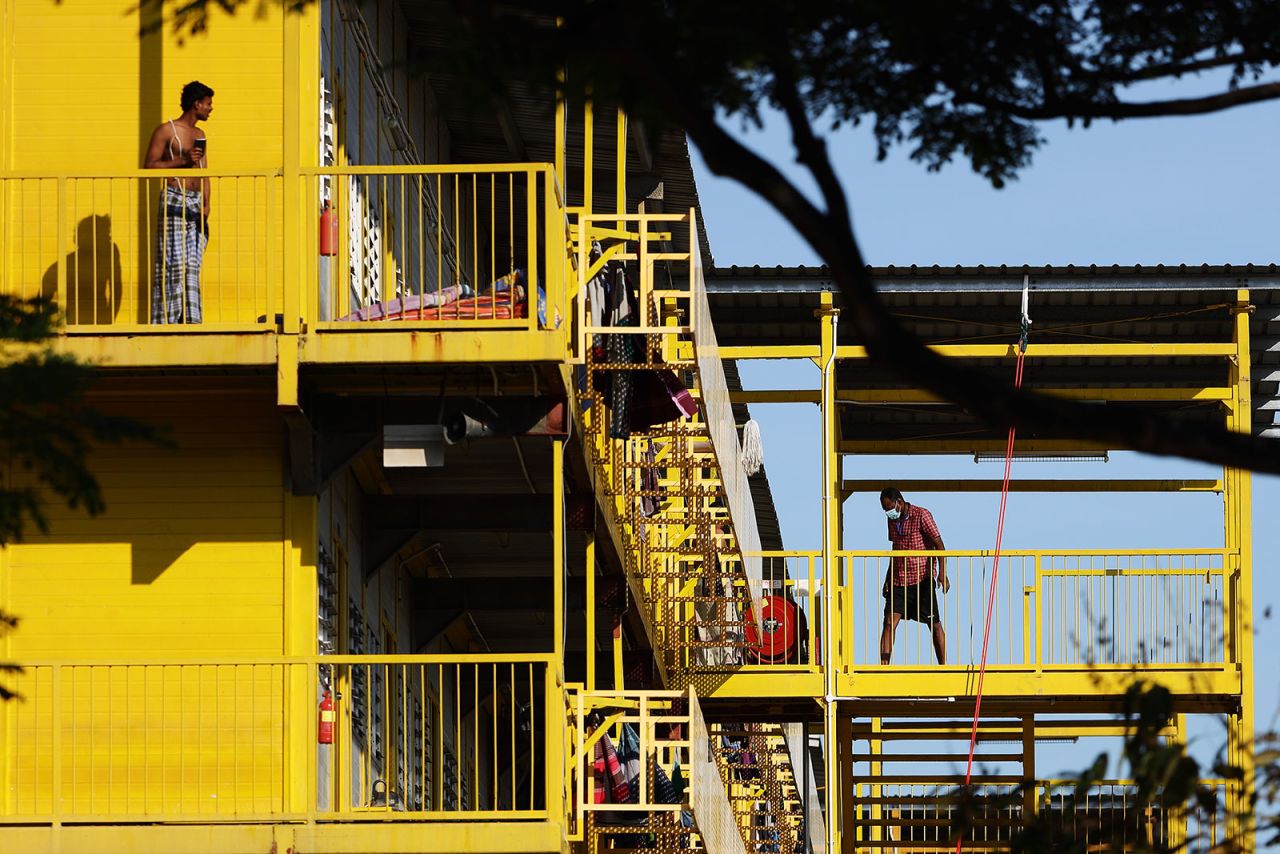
(774, 630)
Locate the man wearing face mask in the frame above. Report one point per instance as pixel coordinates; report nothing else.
(909, 581)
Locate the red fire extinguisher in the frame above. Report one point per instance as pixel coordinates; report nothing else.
(328, 231)
(326, 719)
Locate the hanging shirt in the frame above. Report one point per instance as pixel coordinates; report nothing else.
(907, 533)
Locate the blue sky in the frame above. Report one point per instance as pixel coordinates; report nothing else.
(1152, 191)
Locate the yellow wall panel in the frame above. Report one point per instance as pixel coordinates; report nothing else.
(184, 558)
(88, 85)
(188, 562)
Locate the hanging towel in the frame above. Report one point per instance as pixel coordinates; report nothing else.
(752, 448)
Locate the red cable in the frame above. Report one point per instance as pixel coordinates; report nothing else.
(991, 595)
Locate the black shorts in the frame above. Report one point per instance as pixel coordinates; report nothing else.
(914, 602)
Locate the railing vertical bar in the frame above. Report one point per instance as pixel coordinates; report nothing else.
(423, 697)
(493, 234)
(402, 227)
(476, 280)
(533, 728)
(531, 250)
(55, 686)
(475, 736)
(420, 192)
(403, 756)
(439, 236)
(512, 678)
(457, 736)
(439, 769)
(494, 744)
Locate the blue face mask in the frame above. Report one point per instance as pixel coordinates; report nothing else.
(893, 514)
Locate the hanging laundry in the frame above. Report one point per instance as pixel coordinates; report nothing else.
(649, 486)
(611, 784)
(637, 399)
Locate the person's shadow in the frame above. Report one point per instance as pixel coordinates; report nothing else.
(94, 275)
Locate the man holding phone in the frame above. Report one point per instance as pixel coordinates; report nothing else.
(183, 226)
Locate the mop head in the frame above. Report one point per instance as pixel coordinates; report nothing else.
(752, 448)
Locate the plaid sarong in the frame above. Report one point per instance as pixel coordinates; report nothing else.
(175, 282)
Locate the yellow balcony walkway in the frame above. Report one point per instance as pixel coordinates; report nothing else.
(404, 275)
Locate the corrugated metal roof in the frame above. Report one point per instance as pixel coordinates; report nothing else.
(981, 305)
(656, 160)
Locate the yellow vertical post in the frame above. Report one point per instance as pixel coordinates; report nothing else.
(1240, 490)
(591, 610)
(300, 556)
(844, 760)
(620, 166)
(1030, 805)
(558, 147)
(553, 281)
(531, 212)
(63, 223)
(300, 124)
(588, 157)
(619, 678)
(1176, 816)
(557, 549)
(300, 121)
(554, 766)
(834, 772)
(876, 769)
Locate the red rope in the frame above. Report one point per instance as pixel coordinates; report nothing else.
(991, 595)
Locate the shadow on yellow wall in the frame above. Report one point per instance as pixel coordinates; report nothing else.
(95, 282)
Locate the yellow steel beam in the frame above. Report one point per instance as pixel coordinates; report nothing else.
(897, 681)
(388, 347)
(591, 608)
(1240, 517)
(832, 651)
(870, 396)
(557, 550)
(588, 158)
(754, 351)
(994, 485)
(446, 837)
(163, 350)
(1008, 732)
(963, 446)
(493, 837)
(620, 165)
(896, 395)
(770, 683)
(1064, 351)
(777, 396)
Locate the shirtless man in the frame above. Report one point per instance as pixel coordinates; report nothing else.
(183, 226)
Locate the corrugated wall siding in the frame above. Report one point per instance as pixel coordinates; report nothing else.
(187, 563)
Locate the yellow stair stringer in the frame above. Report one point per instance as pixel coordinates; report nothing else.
(755, 765)
(666, 490)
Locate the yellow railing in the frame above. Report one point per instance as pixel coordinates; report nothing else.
(1052, 608)
(642, 242)
(921, 816)
(738, 625)
(650, 726)
(122, 251)
(442, 247)
(438, 246)
(458, 737)
(678, 489)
